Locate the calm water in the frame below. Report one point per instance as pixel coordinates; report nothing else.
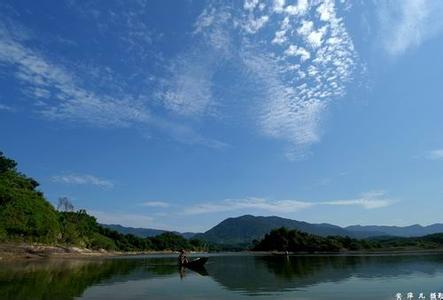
(225, 277)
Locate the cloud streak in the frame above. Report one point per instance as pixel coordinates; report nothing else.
(157, 204)
(436, 154)
(83, 179)
(6, 108)
(60, 94)
(47, 82)
(248, 204)
(406, 24)
(370, 200)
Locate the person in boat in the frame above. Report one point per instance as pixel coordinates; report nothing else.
(182, 258)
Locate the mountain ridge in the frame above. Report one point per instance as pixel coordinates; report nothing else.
(144, 232)
(246, 228)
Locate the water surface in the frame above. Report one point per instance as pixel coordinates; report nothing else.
(226, 276)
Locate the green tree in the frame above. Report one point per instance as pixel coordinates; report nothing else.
(24, 213)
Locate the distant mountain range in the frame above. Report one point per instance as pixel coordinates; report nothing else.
(247, 228)
(144, 232)
(407, 231)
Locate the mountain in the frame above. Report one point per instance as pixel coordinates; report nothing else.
(247, 228)
(144, 232)
(407, 231)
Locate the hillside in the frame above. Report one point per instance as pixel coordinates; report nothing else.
(282, 239)
(407, 231)
(247, 228)
(27, 217)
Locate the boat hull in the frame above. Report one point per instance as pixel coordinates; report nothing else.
(197, 263)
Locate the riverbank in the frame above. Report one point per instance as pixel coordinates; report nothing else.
(391, 251)
(23, 251)
(11, 251)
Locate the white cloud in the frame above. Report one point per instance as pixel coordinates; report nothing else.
(6, 107)
(83, 179)
(326, 11)
(436, 154)
(158, 204)
(189, 89)
(248, 204)
(250, 4)
(315, 38)
(405, 24)
(61, 94)
(298, 51)
(306, 28)
(280, 37)
(370, 200)
(296, 93)
(213, 25)
(48, 82)
(296, 84)
(300, 9)
(255, 24)
(278, 5)
(124, 219)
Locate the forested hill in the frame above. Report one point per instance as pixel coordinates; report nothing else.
(247, 228)
(283, 239)
(26, 216)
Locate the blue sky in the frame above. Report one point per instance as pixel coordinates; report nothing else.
(178, 114)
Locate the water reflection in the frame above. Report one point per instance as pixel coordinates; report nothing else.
(58, 279)
(272, 273)
(200, 270)
(242, 274)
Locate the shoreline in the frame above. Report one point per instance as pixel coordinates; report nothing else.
(385, 252)
(23, 251)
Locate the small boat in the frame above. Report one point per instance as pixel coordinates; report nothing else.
(196, 263)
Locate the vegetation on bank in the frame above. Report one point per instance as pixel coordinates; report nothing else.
(282, 239)
(26, 216)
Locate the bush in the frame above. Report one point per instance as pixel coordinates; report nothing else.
(99, 241)
(30, 216)
(3, 234)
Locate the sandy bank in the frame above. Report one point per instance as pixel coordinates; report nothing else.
(10, 251)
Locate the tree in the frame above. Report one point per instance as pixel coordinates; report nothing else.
(6, 164)
(64, 204)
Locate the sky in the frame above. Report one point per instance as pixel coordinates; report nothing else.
(178, 114)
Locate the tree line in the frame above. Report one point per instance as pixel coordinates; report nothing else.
(283, 239)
